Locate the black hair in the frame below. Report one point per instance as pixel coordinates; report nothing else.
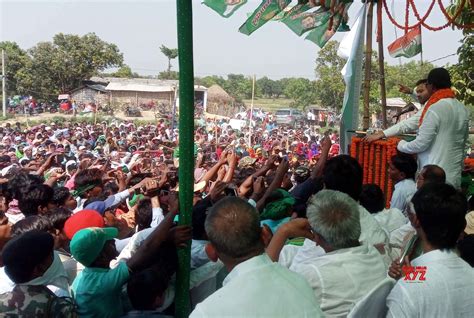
(433, 174)
(372, 198)
(441, 212)
(143, 214)
(58, 217)
(343, 173)
(21, 182)
(405, 163)
(61, 194)
(145, 286)
(466, 249)
(88, 177)
(37, 196)
(35, 222)
(422, 81)
(439, 77)
(111, 188)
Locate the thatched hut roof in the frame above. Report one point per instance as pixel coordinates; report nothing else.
(217, 94)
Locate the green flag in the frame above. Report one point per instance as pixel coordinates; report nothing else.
(225, 8)
(302, 21)
(264, 13)
(324, 32)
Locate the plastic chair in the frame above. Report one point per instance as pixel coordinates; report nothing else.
(374, 303)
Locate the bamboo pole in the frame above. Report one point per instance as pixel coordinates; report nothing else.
(368, 66)
(251, 112)
(186, 146)
(383, 91)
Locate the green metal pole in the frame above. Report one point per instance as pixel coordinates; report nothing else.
(186, 147)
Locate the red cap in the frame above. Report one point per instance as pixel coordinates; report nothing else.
(82, 220)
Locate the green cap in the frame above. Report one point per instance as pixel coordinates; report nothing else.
(87, 244)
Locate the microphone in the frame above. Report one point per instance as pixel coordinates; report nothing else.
(408, 108)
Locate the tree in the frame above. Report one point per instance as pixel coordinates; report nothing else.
(462, 73)
(60, 66)
(407, 74)
(208, 81)
(302, 91)
(172, 75)
(238, 86)
(16, 60)
(330, 84)
(125, 72)
(171, 54)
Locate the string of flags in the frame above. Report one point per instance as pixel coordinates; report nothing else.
(319, 20)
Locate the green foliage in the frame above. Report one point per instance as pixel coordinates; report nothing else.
(125, 72)
(171, 75)
(208, 81)
(269, 88)
(330, 83)
(302, 91)
(238, 86)
(171, 54)
(60, 66)
(406, 74)
(15, 61)
(462, 73)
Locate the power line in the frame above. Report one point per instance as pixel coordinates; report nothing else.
(440, 58)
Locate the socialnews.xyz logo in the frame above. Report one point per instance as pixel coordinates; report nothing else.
(414, 273)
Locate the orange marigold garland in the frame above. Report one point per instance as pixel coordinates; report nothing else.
(366, 162)
(354, 143)
(377, 164)
(371, 163)
(360, 154)
(383, 169)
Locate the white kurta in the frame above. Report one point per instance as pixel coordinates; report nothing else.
(342, 277)
(445, 292)
(442, 138)
(259, 287)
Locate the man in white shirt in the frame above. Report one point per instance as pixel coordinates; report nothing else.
(408, 125)
(402, 169)
(437, 213)
(343, 173)
(444, 129)
(373, 200)
(348, 270)
(255, 286)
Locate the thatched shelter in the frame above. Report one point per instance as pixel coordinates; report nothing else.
(219, 101)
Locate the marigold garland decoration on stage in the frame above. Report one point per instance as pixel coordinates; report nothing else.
(374, 158)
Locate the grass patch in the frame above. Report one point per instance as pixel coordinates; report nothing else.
(269, 104)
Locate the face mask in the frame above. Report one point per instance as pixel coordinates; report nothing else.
(55, 275)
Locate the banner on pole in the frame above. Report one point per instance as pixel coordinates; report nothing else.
(265, 12)
(408, 45)
(351, 47)
(225, 8)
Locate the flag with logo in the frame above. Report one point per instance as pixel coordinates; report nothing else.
(301, 21)
(325, 31)
(265, 12)
(225, 8)
(408, 45)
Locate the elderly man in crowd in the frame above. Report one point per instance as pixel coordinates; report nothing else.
(255, 285)
(344, 270)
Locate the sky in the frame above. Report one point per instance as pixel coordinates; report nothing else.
(139, 27)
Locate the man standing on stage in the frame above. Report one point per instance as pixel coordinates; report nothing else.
(409, 125)
(443, 129)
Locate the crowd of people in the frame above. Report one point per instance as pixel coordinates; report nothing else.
(282, 225)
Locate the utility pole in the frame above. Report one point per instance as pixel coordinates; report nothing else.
(4, 91)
